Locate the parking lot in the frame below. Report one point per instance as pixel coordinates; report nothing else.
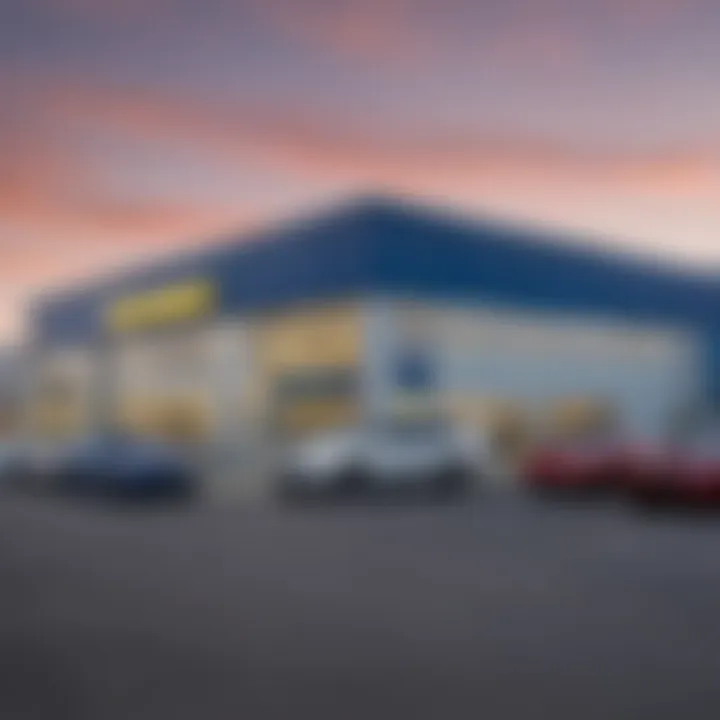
(503, 608)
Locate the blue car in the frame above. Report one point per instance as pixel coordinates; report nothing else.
(123, 466)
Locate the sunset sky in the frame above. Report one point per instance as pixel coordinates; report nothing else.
(130, 127)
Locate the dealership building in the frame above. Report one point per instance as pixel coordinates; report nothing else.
(372, 308)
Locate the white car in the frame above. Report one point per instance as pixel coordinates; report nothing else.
(393, 455)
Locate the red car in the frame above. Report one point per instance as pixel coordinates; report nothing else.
(647, 464)
(684, 473)
(588, 464)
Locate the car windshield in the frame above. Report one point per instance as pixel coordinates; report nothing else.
(410, 429)
(332, 437)
(595, 441)
(317, 384)
(104, 442)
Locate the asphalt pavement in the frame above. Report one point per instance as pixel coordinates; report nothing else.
(507, 608)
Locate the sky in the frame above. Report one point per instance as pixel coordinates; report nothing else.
(130, 128)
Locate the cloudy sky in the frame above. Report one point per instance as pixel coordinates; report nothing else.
(130, 127)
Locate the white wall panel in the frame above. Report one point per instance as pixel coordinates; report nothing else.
(643, 370)
(60, 395)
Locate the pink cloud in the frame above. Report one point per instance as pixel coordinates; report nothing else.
(548, 34)
(541, 34)
(317, 148)
(314, 144)
(371, 30)
(64, 216)
(651, 14)
(538, 46)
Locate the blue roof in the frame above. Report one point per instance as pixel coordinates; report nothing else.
(388, 246)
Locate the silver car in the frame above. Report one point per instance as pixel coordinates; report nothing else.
(392, 455)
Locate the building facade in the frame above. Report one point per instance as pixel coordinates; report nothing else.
(377, 307)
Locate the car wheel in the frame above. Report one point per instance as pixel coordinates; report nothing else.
(351, 484)
(452, 484)
(650, 502)
(188, 493)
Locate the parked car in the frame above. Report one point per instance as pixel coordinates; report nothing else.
(117, 465)
(33, 467)
(587, 464)
(697, 470)
(686, 472)
(648, 464)
(393, 456)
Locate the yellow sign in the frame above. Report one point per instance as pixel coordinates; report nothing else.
(163, 306)
(179, 418)
(311, 338)
(318, 415)
(52, 419)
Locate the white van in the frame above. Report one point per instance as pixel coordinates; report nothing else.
(396, 454)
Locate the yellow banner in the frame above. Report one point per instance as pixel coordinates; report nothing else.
(317, 416)
(163, 306)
